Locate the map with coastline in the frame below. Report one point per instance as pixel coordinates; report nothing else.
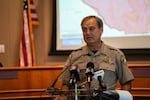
(125, 22)
(121, 17)
(131, 16)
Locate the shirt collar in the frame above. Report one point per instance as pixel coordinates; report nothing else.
(102, 50)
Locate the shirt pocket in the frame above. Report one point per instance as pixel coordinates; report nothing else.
(110, 78)
(107, 66)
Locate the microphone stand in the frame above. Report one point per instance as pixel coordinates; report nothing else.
(101, 84)
(102, 87)
(76, 91)
(73, 83)
(89, 79)
(52, 89)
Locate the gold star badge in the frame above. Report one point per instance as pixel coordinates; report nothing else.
(107, 59)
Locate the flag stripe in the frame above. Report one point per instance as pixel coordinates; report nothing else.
(24, 56)
(27, 52)
(34, 17)
(27, 39)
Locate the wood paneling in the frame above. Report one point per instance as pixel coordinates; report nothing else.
(30, 78)
(32, 82)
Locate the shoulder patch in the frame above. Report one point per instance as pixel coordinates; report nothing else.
(123, 59)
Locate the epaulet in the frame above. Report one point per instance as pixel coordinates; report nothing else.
(77, 50)
(115, 49)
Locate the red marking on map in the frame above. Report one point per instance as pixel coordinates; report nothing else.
(130, 16)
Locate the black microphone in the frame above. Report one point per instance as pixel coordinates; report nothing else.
(89, 71)
(51, 88)
(74, 74)
(101, 83)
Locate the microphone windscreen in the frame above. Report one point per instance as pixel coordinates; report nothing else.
(90, 65)
(90, 69)
(74, 70)
(73, 67)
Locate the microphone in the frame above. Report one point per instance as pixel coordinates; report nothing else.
(98, 75)
(89, 71)
(74, 74)
(51, 88)
(101, 83)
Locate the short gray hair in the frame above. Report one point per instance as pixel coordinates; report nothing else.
(99, 21)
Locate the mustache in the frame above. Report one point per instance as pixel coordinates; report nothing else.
(88, 36)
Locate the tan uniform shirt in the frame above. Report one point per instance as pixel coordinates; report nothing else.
(110, 59)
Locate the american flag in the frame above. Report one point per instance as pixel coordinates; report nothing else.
(27, 52)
